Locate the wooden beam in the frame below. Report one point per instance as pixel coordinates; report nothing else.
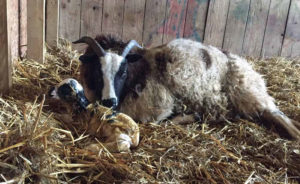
(275, 28)
(36, 30)
(236, 25)
(5, 54)
(113, 12)
(133, 20)
(154, 22)
(216, 22)
(52, 22)
(23, 28)
(91, 17)
(291, 44)
(13, 27)
(175, 19)
(69, 19)
(195, 20)
(255, 29)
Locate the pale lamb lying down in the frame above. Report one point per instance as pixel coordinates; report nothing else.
(119, 131)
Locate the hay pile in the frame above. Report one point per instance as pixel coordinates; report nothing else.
(36, 147)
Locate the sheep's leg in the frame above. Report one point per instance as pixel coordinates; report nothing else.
(248, 94)
(296, 123)
(257, 105)
(252, 104)
(185, 119)
(281, 120)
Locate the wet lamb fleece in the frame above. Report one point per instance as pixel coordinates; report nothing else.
(119, 131)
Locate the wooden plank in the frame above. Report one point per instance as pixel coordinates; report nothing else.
(23, 28)
(91, 17)
(5, 54)
(291, 44)
(13, 26)
(195, 19)
(275, 28)
(36, 30)
(255, 28)
(52, 22)
(113, 12)
(236, 25)
(133, 20)
(216, 22)
(69, 19)
(154, 22)
(175, 19)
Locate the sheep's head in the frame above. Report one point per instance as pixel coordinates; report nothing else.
(71, 92)
(111, 69)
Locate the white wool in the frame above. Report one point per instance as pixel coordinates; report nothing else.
(110, 65)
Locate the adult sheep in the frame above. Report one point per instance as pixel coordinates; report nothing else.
(150, 84)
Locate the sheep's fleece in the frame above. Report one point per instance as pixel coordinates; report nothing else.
(207, 81)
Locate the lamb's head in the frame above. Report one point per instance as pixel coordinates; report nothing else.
(106, 70)
(70, 92)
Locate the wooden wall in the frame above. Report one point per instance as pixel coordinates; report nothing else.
(246, 27)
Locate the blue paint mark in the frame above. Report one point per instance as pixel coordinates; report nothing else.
(182, 17)
(202, 1)
(241, 11)
(174, 28)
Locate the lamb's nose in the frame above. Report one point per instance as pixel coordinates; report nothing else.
(50, 92)
(111, 102)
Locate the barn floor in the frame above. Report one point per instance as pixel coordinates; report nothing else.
(35, 146)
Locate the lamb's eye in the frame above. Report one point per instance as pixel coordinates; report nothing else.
(123, 74)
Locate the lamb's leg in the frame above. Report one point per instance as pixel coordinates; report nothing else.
(113, 147)
(121, 143)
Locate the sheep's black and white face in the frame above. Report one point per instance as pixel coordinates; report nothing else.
(106, 74)
(114, 74)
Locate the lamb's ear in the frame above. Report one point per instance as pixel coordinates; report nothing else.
(87, 58)
(131, 58)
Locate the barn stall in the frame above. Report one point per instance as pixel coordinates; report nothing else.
(36, 146)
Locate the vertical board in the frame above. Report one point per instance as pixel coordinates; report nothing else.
(36, 30)
(291, 44)
(52, 22)
(23, 28)
(216, 22)
(154, 22)
(5, 58)
(133, 20)
(236, 25)
(255, 28)
(69, 19)
(195, 19)
(275, 28)
(91, 17)
(175, 19)
(113, 12)
(13, 26)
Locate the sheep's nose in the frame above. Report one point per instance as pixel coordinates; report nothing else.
(111, 102)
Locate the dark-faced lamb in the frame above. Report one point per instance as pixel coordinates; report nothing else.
(119, 131)
(151, 84)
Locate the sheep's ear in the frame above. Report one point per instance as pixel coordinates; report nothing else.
(131, 58)
(87, 58)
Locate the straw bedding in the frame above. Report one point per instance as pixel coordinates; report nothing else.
(37, 146)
